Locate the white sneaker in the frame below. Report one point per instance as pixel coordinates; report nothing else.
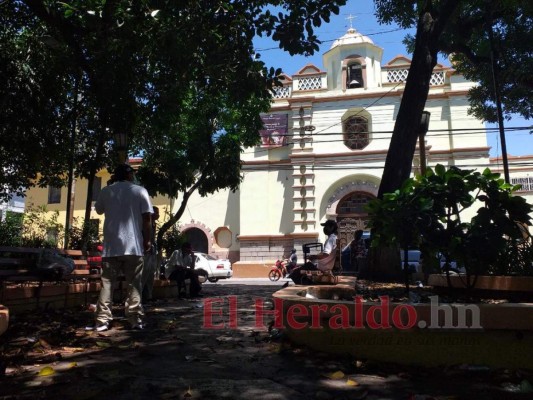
(138, 326)
(99, 327)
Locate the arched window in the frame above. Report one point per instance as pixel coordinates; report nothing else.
(356, 135)
(353, 205)
(354, 78)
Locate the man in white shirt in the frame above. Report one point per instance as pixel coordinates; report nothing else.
(127, 236)
(180, 266)
(325, 261)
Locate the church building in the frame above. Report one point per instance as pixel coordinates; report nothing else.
(322, 154)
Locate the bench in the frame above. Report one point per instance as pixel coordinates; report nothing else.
(317, 276)
(322, 277)
(18, 265)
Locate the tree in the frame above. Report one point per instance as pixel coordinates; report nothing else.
(428, 212)
(445, 26)
(180, 79)
(506, 29)
(397, 219)
(35, 106)
(458, 28)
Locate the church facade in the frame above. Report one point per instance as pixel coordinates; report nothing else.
(322, 153)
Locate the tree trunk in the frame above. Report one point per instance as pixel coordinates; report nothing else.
(398, 164)
(88, 200)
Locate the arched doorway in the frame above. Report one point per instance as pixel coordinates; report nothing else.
(351, 215)
(198, 239)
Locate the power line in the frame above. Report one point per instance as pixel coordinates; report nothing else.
(331, 167)
(434, 133)
(332, 40)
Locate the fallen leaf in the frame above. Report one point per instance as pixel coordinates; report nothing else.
(46, 371)
(73, 365)
(336, 375)
(73, 349)
(99, 343)
(351, 382)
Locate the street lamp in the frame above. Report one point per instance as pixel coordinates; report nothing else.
(423, 129)
(121, 145)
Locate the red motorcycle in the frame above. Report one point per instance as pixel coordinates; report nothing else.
(279, 270)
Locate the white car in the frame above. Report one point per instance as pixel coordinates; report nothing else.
(211, 268)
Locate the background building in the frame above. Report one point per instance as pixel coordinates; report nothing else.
(323, 150)
(321, 157)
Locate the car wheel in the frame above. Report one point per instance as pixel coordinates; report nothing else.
(212, 279)
(274, 275)
(202, 276)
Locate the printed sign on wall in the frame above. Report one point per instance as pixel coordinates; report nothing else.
(275, 128)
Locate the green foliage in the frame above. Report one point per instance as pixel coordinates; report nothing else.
(181, 79)
(11, 229)
(459, 29)
(171, 240)
(465, 37)
(512, 26)
(76, 235)
(41, 228)
(428, 211)
(40, 84)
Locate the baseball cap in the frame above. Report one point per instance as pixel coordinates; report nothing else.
(329, 222)
(122, 170)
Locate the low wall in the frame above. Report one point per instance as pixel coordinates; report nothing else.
(495, 335)
(72, 295)
(252, 269)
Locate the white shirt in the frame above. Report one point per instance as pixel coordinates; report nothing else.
(123, 204)
(177, 259)
(327, 263)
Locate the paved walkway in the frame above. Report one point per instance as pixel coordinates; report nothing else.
(177, 358)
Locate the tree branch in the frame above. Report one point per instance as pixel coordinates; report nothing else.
(465, 50)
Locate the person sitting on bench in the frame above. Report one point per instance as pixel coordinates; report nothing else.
(323, 261)
(180, 267)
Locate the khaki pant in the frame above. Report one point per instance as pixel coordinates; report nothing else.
(112, 268)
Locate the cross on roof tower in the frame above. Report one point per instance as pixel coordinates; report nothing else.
(351, 18)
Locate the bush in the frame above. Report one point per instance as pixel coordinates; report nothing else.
(172, 240)
(39, 230)
(11, 229)
(76, 236)
(428, 212)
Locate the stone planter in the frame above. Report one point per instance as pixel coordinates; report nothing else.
(497, 335)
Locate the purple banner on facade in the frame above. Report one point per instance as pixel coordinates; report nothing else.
(275, 129)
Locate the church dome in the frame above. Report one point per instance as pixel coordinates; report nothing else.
(351, 37)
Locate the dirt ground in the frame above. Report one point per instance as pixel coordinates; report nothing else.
(49, 355)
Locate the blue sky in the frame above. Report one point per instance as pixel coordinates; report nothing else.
(389, 37)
